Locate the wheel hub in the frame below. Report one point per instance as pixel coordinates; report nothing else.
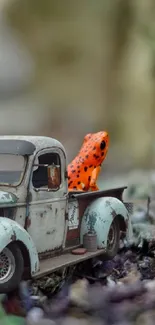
(7, 265)
(111, 237)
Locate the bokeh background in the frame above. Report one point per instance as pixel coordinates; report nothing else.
(70, 67)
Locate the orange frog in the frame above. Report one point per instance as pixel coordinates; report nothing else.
(84, 169)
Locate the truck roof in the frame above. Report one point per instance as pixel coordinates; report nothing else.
(26, 145)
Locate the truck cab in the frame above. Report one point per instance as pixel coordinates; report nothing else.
(40, 221)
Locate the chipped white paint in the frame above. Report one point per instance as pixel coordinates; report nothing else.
(39, 142)
(73, 214)
(99, 216)
(10, 231)
(47, 226)
(7, 198)
(47, 209)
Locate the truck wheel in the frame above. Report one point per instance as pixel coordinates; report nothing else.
(113, 240)
(11, 268)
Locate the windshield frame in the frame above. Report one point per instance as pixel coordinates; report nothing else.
(22, 173)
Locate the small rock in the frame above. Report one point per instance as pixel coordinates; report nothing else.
(133, 276)
(110, 282)
(146, 318)
(149, 285)
(78, 293)
(34, 315)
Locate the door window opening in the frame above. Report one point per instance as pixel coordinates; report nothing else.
(47, 172)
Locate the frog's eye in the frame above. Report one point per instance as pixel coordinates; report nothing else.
(102, 145)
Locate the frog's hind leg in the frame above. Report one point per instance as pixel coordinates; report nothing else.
(93, 179)
(75, 190)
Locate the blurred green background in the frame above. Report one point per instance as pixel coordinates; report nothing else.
(70, 67)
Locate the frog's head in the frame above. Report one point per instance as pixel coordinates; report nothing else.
(96, 146)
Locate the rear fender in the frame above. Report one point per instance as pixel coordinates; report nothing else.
(99, 215)
(11, 231)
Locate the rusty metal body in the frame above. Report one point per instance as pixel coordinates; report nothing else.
(48, 221)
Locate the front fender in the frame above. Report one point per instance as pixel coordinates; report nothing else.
(99, 215)
(11, 231)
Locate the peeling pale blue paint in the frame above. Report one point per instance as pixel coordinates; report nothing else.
(99, 216)
(10, 231)
(7, 198)
(91, 218)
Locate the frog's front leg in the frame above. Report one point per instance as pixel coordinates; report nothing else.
(94, 188)
(93, 179)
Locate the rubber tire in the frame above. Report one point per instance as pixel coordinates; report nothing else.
(113, 252)
(13, 283)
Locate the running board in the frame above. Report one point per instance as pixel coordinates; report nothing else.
(55, 263)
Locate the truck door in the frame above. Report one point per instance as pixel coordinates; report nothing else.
(47, 207)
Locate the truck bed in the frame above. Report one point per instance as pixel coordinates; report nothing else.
(114, 192)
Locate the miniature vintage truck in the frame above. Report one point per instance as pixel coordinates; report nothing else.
(40, 221)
